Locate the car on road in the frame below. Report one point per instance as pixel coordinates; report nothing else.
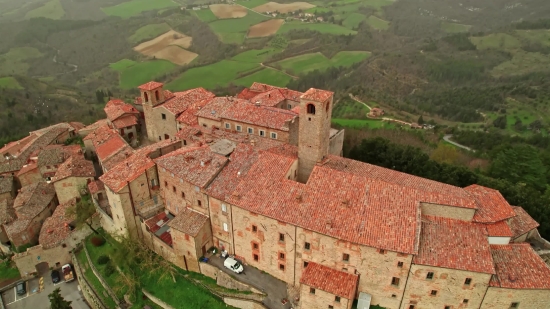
(67, 272)
(234, 265)
(56, 277)
(21, 288)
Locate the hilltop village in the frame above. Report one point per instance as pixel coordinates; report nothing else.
(261, 176)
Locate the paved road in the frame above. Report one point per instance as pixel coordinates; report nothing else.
(273, 287)
(447, 138)
(35, 300)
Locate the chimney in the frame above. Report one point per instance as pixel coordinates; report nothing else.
(328, 225)
(202, 163)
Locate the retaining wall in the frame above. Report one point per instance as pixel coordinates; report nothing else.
(100, 278)
(87, 289)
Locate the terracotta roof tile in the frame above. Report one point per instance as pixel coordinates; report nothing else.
(188, 221)
(330, 280)
(116, 108)
(57, 228)
(113, 145)
(522, 222)
(519, 267)
(33, 199)
(492, 207)
(17, 227)
(92, 127)
(150, 86)
(6, 184)
(247, 94)
(51, 155)
(215, 108)
(31, 166)
(290, 94)
(499, 229)
(138, 101)
(7, 212)
(77, 126)
(24, 141)
(197, 166)
(259, 87)
(454, 244)
(157, 221)
(269, 98)
(96, 186)
(75, 167)
(186, 99)
(267, 117)
(189, 116)
(317, 95)
(125, 122)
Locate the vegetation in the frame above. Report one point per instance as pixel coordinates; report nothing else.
(225, 71)
(57, 301)
(133, 74)
(319, 27)
(149, 32)
(8, 271)
(311, 62)
(136, 7)
(10, 82)
(51, 9)
(94, 281)
(267, 76)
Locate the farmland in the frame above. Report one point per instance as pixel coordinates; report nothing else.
(256, 55)
(136, 7)
(265, 28)
(223, 11)
(316, 61)
(266, 76)
(378, 23)
(454, 27)
(205, 15)
(496, 41)
(9, 82)
(234, 30)
(133, 74)
(149, 32)
(363, 123)
(51, 9)
(522, 63)
(283, 7)
(169, 46)
(353, 20)
(251, 3)
(16, 60)
(321, 27)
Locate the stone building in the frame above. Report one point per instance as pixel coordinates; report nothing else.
(72, 177)
(124, 118)
(324, 287)
(7, 188)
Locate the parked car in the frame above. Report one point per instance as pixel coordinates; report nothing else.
(21, 288)
(67, 272)
(56, 277)
(234, 265)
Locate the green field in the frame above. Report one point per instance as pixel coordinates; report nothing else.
(361, 123)
(256, 55)
(251, 3)
(135, 7)
(232, 38)
(350, 109)
(133, 74)
(15, 61)
(378, 23)
(51, 9)
(148, 32)
(10, 82)
(353, 20)
(496, 41)
(538, 36)
(266, 76)
(454, 28)
(522, 63)
(205, 15)
(377, 4)
(316, 61)
(210, 76)
(234, 25)
(320, 27)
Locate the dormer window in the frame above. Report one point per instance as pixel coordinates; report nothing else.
(311, 109)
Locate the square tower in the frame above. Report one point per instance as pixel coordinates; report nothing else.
(152, 94)
(314, 130)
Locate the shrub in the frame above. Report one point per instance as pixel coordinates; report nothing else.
(109, 269)
(97, 241)
(103, 259)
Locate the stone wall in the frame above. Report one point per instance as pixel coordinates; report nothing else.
(156, 300)
(178, 193)
(243, 304)
(321, 299)
(209, 270)
(465, 214)
(100, 278)
(87, 289)
(69, 188)
(227, 281)
(209, 123)
(336, 143)
(498, 298)
(218, 217)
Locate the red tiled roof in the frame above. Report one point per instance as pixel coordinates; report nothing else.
(21, 142)
(17, 226)
(492, 207)
(133, 166)
(499, 229)
(269, 98)
(96, 186)
(154, 223)
(188, 221)
(184, 100)
(522, 222)
(296, 109)
(116, 108)
(454, 244)
(33, 199)
(92, 127)
(197, 166)
(267, 117)
(138, 101)
(150, 86)
(111, 146)
(519, 267)
(57, 227)
(189, 117)
(27, 168)
(247, 94)
(330, 280)
(215, 108)
(290, 94)
(317, 95)
(125, 122)
(75, 167)
(337, 204)
(259, 87)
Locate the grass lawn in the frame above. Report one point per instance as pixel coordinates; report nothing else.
(14, 61)
(233, 25)
(454, 28)
(353, 20)
(205, 15)
(349, 109)
(496, 41)
(320, 27)
(378, 23)
(92, 279)
(256, 55)
(251, 3)
(362, 123)
(377, 4)
(51, 9)
(232, 38)
(316, 61)
(522, 63)
(7, 271)
(148, 32)
(135, 74)
(540, 36)
(216, 74)
(10, 82)
(135, 7)
(266, 76)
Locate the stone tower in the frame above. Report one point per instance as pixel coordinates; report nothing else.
(152, 95)
(314, 130)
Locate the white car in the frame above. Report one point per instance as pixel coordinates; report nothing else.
(234, 265)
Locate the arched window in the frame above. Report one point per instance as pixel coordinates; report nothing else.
(311, 109)
(157, 95)
(146, 97)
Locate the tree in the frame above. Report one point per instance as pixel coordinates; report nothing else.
(57, 301)
(519, 164)
(444, 154)
(500, 122)
(420, 120)
(83, 209)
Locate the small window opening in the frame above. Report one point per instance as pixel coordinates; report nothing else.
(311, 109)
(430, 275)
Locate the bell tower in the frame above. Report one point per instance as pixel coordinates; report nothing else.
(152, 94)
(314, 130)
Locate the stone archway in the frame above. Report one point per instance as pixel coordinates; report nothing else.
(42, 268)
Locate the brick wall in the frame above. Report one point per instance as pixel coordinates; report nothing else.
(321, 299)
(160, 247)
(449, 285)
(498, 298)
(218, 217)
(69, 188)
(465, 214)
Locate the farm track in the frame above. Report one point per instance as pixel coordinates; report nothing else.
(384, 118)
(267, 66)
(255, 11)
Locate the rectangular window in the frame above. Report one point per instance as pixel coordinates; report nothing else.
(345, 257)
(262, 133)
(411, 307)
(281, 256)
(289, 106)
(282, 267)
(250, 131)
(199, 202)
(163, 116)
(255, 246)
(337, 299)
(228, 126)
(433, 293)
(465, 301)
(468, 281)
(224, 208)
(174, 189)
(254, 228)
(514, 305)
(430, 275)
(273, 135)
(307, 246)
(281, 237)
(381, 251)
(393, 296)
(166, 183)
(225, 227)
(311, 291)
(447, 307)
(239, 128)
(182, 194)
(256, 257)
(306, 263)
(330, 307)
(399, 264)
(395, 281)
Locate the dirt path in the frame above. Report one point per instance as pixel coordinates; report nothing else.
(359, 101)
(384, 118)
(448, 140)
(267, 66)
